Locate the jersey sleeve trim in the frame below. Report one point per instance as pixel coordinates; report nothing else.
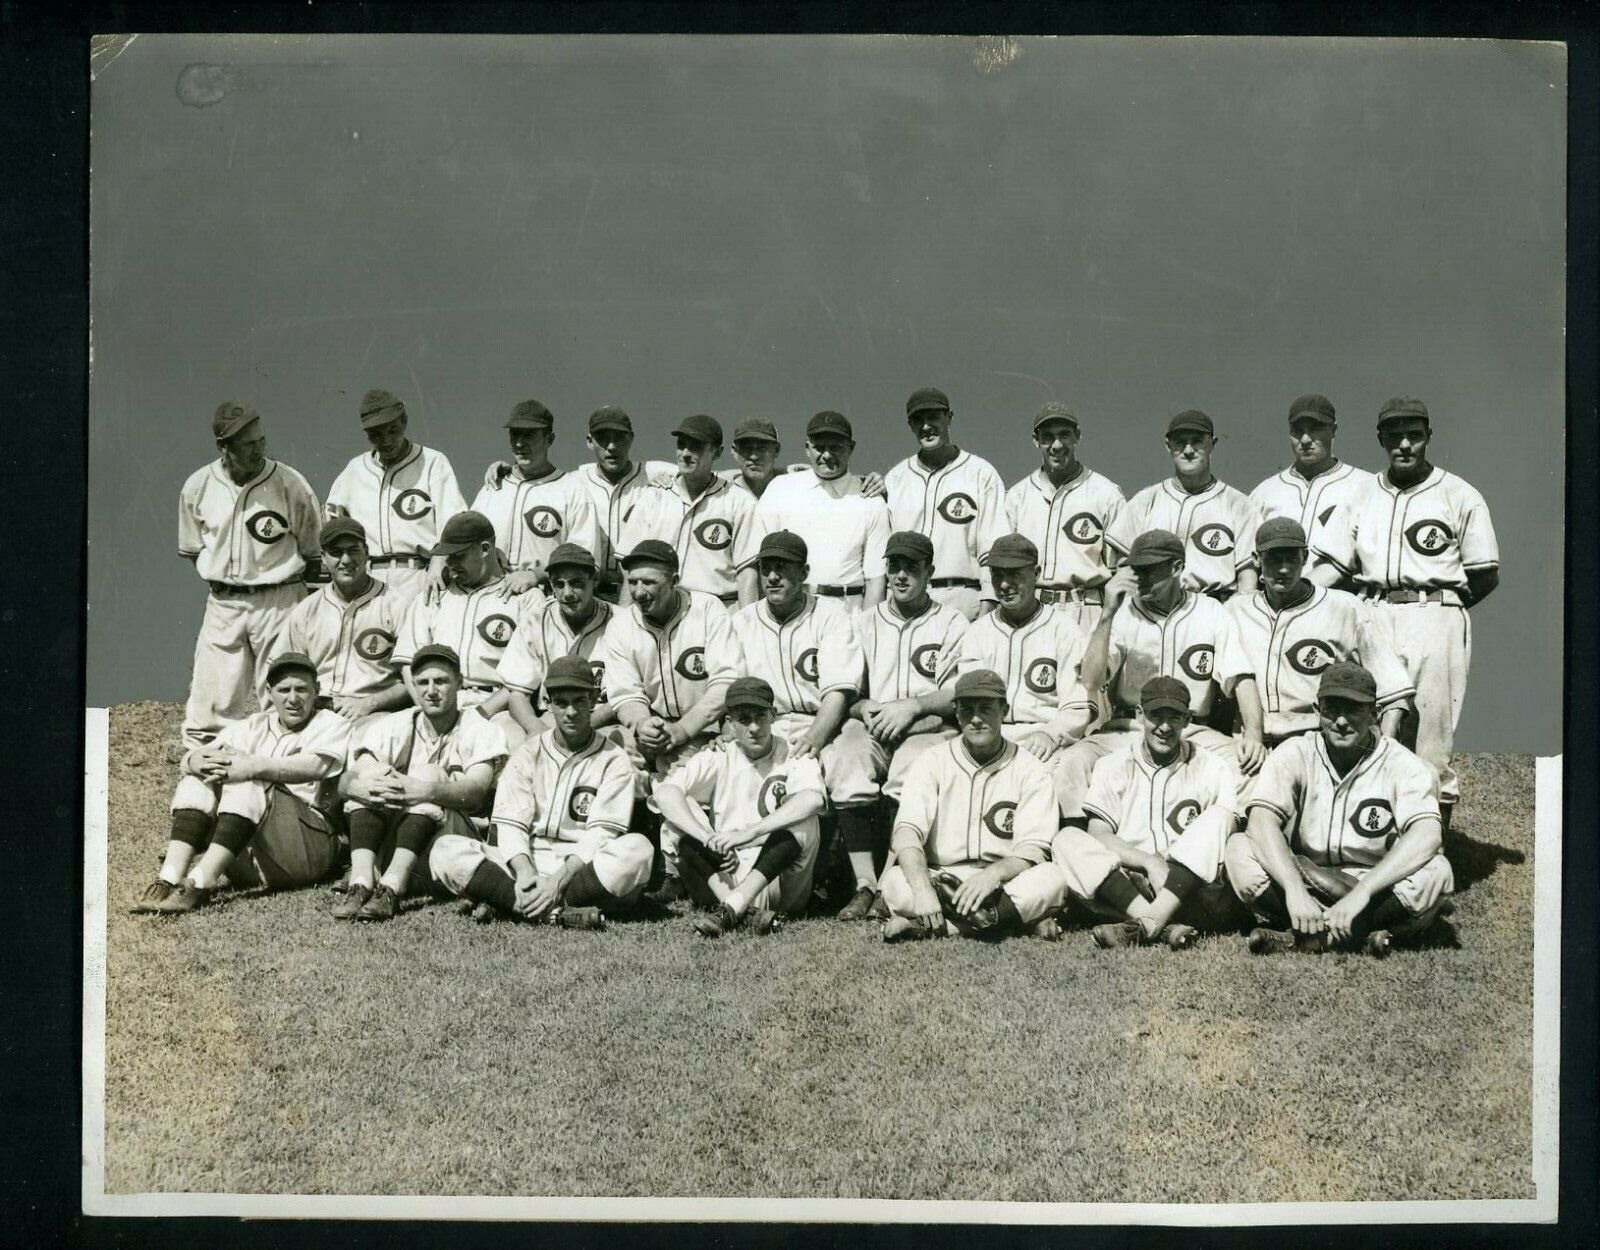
(1270, 806)
(1099, 813)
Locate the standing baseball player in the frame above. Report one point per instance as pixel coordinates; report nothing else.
(563, 852)
(954, 497)
(745, 812)
(1343, 845)
(1317, 488)
(412, 775)
(1420, 548)
(1216, 523)
(572, 621)
(847, 529)
(249, 524)
(400, 491)
(806, 649)
(252, 804)
(616, 487)
(756, 448)
(1065, 508)
(349, 629)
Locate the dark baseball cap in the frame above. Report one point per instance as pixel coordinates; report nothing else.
(1011, 551)
(1280, 531)
(756, 429)
(341, 527)
(1055, 410)
(1346, 680)
(749, 692)
(783, 545)
(1155, 547)
(829, 423)
(610, 417)
(1164, 692)
(701, 428)
(980, 683)
(570, 555)
(464, 530)
(436, 651)
(231, 417)
(1315, 407)
(379, 407)
(911, 544)
(291, 660)
(928, 399)
(569, 672)
(530, 414)
(1401, 408)
(1191, 419)
(652, 551)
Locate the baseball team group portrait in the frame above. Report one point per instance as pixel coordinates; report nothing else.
(932, 621)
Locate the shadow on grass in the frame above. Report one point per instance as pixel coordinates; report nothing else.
(1474, 860)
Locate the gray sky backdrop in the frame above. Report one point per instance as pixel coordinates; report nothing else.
(771, 226)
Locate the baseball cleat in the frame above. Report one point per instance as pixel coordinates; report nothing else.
(464, 906)
(1264, 941)
(714, 924)
(152, 895)
(759, 920)
(1180, 937)
(880, 909)
(381, 904)
(668, 892)
(183, 899)
(860, 905)
(343, 883)
(483, 913)
(1120, 933)
(580, 918)
(355, 898)
(904, 929)
(1378, 943)
(1046, 929)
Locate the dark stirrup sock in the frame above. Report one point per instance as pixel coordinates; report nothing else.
(190, 827)
(1117, 891)
(491, 883)
(414, 833)
(366, 829)
(1010, 918)
(858, 827)
(233, 832)
(585, 890)
(1181, 880)
(779, 852)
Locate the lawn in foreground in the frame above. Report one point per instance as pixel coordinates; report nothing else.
(259, 1046)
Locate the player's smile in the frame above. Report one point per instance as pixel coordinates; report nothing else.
(1164, 733)
(1346, 723)
(574, 594)
(1057, 442)
(388, 439)
(295, 698)
(932, 430)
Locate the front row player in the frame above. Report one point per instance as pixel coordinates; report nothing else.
(248, 802)
(1348, 815)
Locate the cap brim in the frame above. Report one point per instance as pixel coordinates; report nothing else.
(1008, 562)
(764, 704)
(1190, 429)
(598, 427)
(1281, 544)
(1341, 692)
(448, 549)
(756, 436)
(917, 412)
(568, 684)
(1168, 705)
(1146, 558)
(580, 565)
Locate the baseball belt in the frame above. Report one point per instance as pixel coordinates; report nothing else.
(410, 561)
(228, 588)
(1070, 594)
(942, 583)
(1407, 594)
(838, 592)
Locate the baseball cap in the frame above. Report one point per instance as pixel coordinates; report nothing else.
(1347, 680)
(1164, 692)
(291, 660)
(783, 545)
(570, 555)
(928, 399)
(530, 414)
(462, 531)
(610, 417)
(1280, 531)
(1400, 408)
(1317, 407)
(651, 551)
(911, 544)
(379, 407)
(1191, 419)
(1055, 410)
(755, 428)
(749, 692)
(436, 651)
(701, 428)
(341, 527)
(1155, 547)
(231, 417)
(829, 423)
(569, 672)
(980, 683)
(1011, 551)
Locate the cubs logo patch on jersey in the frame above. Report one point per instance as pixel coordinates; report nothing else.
(1310, 656)
(805, 664)
(1001, 819)
(497, 629)
(578, 804)
(1198, 661)
(1040, 676)
(959, 508)
(267, 526)
(925, 659)
(375, 644)
(1373, 818)
(412, 504)
(774, 790)
(1215, 539)
(1182, 815)
(1083, 528)
(692, 664)
(1428, 538)
(544, 522)
(714, 534)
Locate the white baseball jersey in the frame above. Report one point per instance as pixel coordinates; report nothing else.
(715, 534)
(1424, 537)
(1039, 661)
(1149, 805)
(1182, 644)
(402, 508)
(844, 537)
(735, 477)
(1286, 652)
(408, 737)
(909, 658)
(1315, 502)
(616, 507)
(1353, 819)
(326, 735)
(736, 791)
(959, 811)
(553, 798)
(813, 653)
(681, 670)
(477, 624)
(544, 634)
(352, 641)
(1217, 526)
(534, 516)
(260, 533)
(960, 507)
(1067, 523)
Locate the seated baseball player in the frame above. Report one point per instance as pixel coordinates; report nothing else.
(1165, 810)
(252, 803)
(1343, 842)
(349, 629)
(572, 621)
(562, 853)
(805, 647)
(745, 812)
(411, 776)
(972, 835)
